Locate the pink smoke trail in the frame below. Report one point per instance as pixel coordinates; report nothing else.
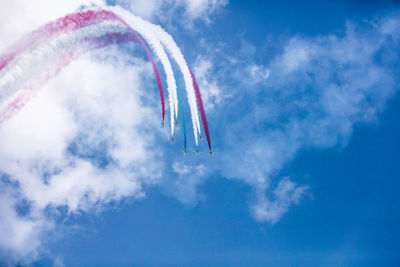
(89, 44)
(52, 29)
(201, 107)
(27, 93)
(70, 23)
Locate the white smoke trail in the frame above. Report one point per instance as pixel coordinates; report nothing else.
(144, 29)
(177, 55)
(149, 31)
(154, 35)
(31, 65)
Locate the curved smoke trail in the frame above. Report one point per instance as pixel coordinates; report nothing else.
(65, 26)
(67, 38)
(144, 28)
(177, 55)
(202, 111)
(62, 50)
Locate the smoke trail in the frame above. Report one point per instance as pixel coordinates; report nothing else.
(66, 25)
(144, 29)
(28, 66)
(52, 29)
(177, 55)
(12, 75)
(61, 51)
(202, 112)
(25, 68)
(155, 69)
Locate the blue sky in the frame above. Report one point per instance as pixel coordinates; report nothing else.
(302, 102)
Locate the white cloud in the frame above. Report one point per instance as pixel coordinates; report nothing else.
(58, 262)
(145, 9)
(200, 8)
(286, 194)
(189, 178)
(258, 73)
(313, 95)
(168, 9)
(20, 236)
(211, 93)
(86, 139)
(297, 53)
(21, 16)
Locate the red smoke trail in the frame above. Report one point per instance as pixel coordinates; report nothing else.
(5, 59)
(70, 23)
(201, 107)
(109, 39)
(50, 30)
(147, 50)
(129, 37)
(92, 43)
(160, 88)
(27, 93)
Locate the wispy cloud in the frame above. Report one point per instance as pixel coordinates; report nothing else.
(186, 11)
(311, 95)
(20, 235)
(81, 143)
(211, 91)
(283, 196)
